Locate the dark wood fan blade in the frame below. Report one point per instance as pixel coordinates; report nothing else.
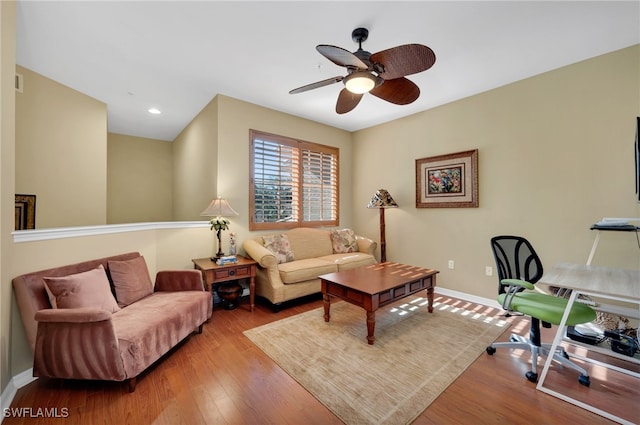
(403, 60)
(399, 91)
(347, 101)
(340, 56)
(318, 84)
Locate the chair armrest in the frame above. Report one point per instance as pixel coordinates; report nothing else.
(260, 254)
(518, 283)
(178, 280)
(78, 343)
(366, 245)
(512, 287)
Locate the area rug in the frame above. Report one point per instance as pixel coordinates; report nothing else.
(416, 356)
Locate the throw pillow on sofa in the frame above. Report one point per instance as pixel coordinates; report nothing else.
(81, 290)
(344, 240)
(131, 280)
(279, 246)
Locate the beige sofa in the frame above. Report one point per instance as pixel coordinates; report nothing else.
(313, 253)
(109, 321)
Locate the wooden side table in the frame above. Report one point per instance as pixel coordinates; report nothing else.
(214, 274)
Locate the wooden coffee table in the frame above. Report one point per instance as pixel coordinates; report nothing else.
(374, 286)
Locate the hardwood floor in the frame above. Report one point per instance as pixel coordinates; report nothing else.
(220, 377)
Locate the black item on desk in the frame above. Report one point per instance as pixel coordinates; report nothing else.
(621, 343)
(618, 228)
(576, 335)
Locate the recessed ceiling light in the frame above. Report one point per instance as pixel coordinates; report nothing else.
(154, 111)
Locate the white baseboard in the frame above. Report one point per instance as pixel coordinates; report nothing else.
(468, 297)
(17, 382)
(24, 378)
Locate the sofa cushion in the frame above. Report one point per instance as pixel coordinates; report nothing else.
(88, 289)
(131, 280)
(280, 247)
(349, 260)
(301, 270)
(344, 240)
(149, 328)
(310, 243)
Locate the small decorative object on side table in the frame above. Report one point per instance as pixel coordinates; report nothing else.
(232, 243)
(214, 274)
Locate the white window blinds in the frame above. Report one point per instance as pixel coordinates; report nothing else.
(293, 183)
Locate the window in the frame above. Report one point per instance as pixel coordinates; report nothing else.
(292, 184)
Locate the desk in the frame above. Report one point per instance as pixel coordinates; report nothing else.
(603, 282)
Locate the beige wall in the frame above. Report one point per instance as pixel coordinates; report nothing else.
(7, 180)
(61, 152)
(211, 158)
(195, 164)
(555, 156)
(236, 118)
(139, 179)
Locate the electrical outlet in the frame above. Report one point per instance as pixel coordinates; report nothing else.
(451, 264)
(488, 271)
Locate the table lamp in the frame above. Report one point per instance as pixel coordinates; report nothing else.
(382, 200)
(219, 208)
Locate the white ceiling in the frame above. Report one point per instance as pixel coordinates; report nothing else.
(178, 55)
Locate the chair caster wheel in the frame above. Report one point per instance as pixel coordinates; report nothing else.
(584, 380)
(532, 377)
(490, 350)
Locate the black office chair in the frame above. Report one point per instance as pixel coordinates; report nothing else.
(519, 268)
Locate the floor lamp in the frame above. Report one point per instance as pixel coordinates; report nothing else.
(219, 208)
(382, 200)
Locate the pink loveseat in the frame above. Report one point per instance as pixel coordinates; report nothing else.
(110, 334)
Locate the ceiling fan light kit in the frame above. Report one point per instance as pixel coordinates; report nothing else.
(382, 74)
(361, 82)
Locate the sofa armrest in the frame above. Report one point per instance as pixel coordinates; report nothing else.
(72, 315)
(259, 253)
(366, 245)
(179, 280)
(79, 343)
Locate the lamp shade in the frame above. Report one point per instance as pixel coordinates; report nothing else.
(219, 208)
(382, 199)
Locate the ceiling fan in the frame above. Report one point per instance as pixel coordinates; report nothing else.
(382, 74)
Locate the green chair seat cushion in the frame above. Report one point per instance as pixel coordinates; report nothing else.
(549, 308)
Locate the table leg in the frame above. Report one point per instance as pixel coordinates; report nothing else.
(252, 294)
(430, 299)
(371, 326)
(326, 301)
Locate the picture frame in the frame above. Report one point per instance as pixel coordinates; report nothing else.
(448, 181)
(25, 212)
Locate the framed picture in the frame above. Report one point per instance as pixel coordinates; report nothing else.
(447, 181)
(25, 212)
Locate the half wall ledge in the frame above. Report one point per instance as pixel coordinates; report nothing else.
(34, 235)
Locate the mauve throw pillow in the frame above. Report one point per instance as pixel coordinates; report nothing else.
(131, 280)
(86, 289)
